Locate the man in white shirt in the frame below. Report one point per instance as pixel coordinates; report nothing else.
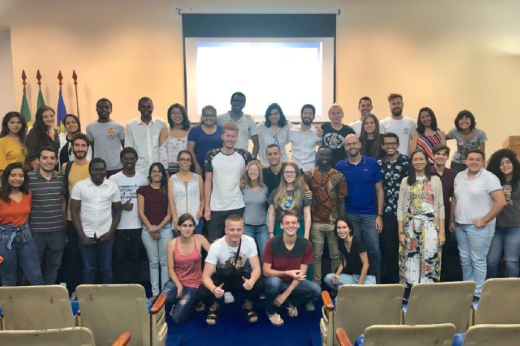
(365, 107)
(127, 241)
(91, 204)
(403, 126)
(225, 270)
(304, 138)
(143, 135)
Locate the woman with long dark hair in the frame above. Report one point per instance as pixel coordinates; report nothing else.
(174, 139)
(152, 204)
(273, 130)
(504, 164)
(355, 266)
(16, 243)
(72, 126)
(420, 218)
(42, 134)
(12, 140)
(370, 137)
(428, 134)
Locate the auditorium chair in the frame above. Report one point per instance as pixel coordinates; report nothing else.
(499, 302)
(36, 307)
(358, 307)
(493, 335)
(109, 310)
(77, 336)
(432, 303)
(418, 335)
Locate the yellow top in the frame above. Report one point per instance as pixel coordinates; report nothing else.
(76, 174)
(10, 152)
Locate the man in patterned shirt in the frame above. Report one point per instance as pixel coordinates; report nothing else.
(394, 167)
(329, 190)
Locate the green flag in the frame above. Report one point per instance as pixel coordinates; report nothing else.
(24, 110)
(41, 101)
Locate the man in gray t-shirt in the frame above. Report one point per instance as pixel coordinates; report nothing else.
(107, 136)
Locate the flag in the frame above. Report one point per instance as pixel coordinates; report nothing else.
(41, 101)
(24, 110)
(62, 111)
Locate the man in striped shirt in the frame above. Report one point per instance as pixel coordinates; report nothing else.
(47, 221)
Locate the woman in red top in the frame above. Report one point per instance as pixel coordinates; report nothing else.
(16, 242)
(184, 267)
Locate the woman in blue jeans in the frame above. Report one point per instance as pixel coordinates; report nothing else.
(185, 268)
(355, 267)
(255, 200)
(152, 204)
(16, 243)
(504, 164)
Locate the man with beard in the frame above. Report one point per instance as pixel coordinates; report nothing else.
(399, 124)
(74, 171)
(106, 137)
(365, 107)
(273, 173)
(304, 138)
(142, 134)
(224, 169)
(95, 205)
(334, 133)
(47, 221)
(394, 167)
(246, 125)
(364, 204)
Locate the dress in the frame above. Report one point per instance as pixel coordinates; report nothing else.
(427, 143)
(420, 261)
(170, 149)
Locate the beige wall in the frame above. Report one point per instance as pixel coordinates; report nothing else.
(447, 54)
(7, 99)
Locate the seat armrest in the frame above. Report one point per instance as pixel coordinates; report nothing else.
(158, 305)
(123, 339)
(342, 337)
(327, 300)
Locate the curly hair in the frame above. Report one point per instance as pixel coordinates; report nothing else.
(494, 166)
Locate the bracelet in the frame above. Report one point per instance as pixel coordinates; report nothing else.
(271, 232)
(380, 215)
(214, 288)
(401, 233)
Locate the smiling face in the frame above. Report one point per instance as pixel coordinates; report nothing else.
(289, 174)
(229, 137)
(71, 125)
(145, 107)
(208, 117)
(352, 145)
(234, 231)
(184, 162)
(80, 149)
(273, 155)
(370, 125)
(156, 175)
(464, 123)
(396, 106)
(253, 172)
(14, 125)
(440, 158)
(324, 157)
(335, 115)
(47, 160)
(390, 145)
(49, 118)
(343, 230)
(97, 172)
(425, 118)
(274, 116)
(290, 225)
(238, 103)
(506, 166)
(103, 110)
(176, 116)
(16, 178)
(474, 162)
(307, 116)
(187, 228)
(129, 160)
(419, 161)
(365, 107)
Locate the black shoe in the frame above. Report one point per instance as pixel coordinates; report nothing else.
(476, 299)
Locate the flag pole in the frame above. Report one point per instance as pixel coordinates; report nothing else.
(75, 77)
(24, 78)
(60, 78)
(39, 78)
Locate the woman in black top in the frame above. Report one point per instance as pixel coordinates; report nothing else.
(354, 267)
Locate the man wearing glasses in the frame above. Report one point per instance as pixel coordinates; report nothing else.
(364, 182)
(394, 167)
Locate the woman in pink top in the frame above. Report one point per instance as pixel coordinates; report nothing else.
(184, 267)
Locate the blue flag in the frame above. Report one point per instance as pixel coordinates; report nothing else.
(62, 110)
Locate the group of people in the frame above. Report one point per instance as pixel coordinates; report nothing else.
(377, 195)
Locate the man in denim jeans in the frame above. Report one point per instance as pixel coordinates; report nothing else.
(286, 258)
(478, 198)
(364, 204)
(91, 204)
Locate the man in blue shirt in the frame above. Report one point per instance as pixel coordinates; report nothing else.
(364, 182)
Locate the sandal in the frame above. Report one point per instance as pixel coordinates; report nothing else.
(275, 319)
(212, 317)
(200, 307)
(292, 311)
(250, 315)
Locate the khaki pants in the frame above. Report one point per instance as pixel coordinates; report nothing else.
(320, 232)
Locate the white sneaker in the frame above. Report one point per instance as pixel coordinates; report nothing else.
(74, 296)
(309, 306)
(228, 298)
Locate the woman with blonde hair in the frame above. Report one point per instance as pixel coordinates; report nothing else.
(290, 194)
(255, 199)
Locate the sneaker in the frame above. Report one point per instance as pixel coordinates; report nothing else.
(228, 298)
(74, 296)
(309, 306)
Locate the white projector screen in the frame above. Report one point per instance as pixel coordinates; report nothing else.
(289, 71)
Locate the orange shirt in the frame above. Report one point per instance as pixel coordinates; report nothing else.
(15, 213)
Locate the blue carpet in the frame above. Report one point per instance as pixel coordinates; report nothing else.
(233, 330)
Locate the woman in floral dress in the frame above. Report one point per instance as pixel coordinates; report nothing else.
(420, 216)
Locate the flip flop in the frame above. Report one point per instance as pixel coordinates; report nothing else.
(275, 319)
(292, 311)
